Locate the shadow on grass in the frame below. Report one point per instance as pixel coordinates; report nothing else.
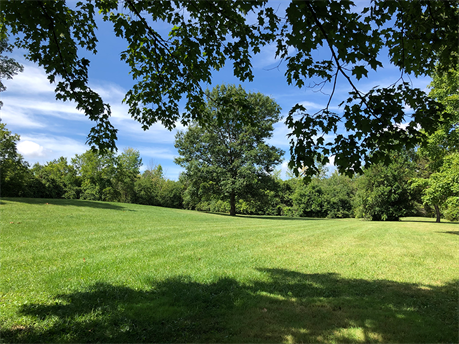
(450, 232)
(69, 202)
(268, 217)
(288, 306)
(432, 220)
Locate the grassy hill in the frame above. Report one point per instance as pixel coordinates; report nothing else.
(80, 271)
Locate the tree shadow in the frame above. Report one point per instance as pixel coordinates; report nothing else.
(450, 232)
(431, 221)
(269, 217)
(285, 218)
(286, 306)
(68, 202)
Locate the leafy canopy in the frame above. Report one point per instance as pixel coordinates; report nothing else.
(226, 158)
(205, 35)
(8, 66)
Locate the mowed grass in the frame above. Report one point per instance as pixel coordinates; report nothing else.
(80, 271)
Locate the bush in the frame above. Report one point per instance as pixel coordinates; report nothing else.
(384, 193)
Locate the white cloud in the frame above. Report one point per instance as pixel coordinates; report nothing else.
(331, 161)
(43, 148)
(30, 149)
(284, 169)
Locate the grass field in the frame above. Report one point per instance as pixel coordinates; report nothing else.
(79, 271)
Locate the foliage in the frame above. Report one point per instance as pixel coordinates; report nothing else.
(152, 188)
(206, 35)
(8, 66)
(442, 188)
(226, 158)
(323, 197)
(445, 89)
(127, 171)
(443, 143)
(106, 177)
(384, 192)
(97, 172)
(14, 171)
(56, 179)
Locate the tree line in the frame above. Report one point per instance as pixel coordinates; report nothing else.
(380, 193)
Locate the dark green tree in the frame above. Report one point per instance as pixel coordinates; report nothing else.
(206, 35)
(14, 171)
(384, 192)
(55, 179)
(227, 158)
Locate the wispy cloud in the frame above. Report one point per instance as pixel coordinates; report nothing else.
(158, 153)
(32, 81)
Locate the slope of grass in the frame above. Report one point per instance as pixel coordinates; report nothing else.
(80, 271)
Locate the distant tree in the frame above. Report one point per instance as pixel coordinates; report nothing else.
(97, 172)
(441, 189)
(149, 186)
(153, 188)
(384, 192)
(227, 158)
(14, 171)
(55, 179)
(8, 66)
(128, 166)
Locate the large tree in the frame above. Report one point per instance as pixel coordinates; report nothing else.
(439, 156)
(205, 35)
(226, 158)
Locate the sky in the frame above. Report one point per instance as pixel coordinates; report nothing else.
(50, 129)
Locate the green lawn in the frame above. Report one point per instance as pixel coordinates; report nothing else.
(79, 271)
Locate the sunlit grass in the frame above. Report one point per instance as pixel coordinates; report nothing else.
(78, 271)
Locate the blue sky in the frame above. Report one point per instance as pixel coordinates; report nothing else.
(50, 129)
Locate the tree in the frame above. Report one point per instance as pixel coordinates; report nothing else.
(8, 66)
(226, 158)
(97, 171)
(127, 172)
(441, 189)
(56, 179)
(445, 140)
(440, 144)
(205, 35)
(13, 169)
(384, 192)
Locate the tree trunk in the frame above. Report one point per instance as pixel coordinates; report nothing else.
(233, 204)
(437, 213)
